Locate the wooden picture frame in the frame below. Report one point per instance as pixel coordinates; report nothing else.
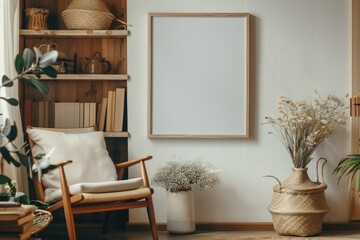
(198, 75)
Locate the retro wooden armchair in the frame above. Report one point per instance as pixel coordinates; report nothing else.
(70, 186)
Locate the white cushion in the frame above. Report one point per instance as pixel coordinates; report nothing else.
(91, 161)
(53, 195)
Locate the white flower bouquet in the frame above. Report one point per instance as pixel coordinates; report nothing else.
(178, 176)
(301, 126)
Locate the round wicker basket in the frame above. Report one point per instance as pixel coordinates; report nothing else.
(41, 220)
(87, 15)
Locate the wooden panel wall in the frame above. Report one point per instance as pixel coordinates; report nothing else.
(355, 121)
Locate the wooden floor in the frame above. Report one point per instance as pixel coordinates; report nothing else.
(94, 233)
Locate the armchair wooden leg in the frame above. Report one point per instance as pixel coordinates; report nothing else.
(69, 216)
(151, 215)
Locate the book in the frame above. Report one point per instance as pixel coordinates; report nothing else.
(81, 115)
(58, 113)
(52, 114)
(35, 114)
(19, 221)
(67, 116)
(119, 109)
(86, 114)
(110, 112)
(41, 119)
(103, 114)
(27, 117)
(98, 112)
(13, 213)
(16, 236)
(16, 228)
(46, 113)
(92, 114)
(76, 115)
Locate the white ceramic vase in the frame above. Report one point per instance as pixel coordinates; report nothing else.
(180, 212)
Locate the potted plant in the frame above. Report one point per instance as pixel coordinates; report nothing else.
(29, 67)
(301, 126)
(178, 178)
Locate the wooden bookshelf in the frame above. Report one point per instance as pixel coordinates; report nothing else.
(74, 33)
(74, 86)
(97, 77)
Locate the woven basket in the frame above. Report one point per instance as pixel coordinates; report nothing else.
(41, 220)
(37, 18)
(299, 205)
(87, 15)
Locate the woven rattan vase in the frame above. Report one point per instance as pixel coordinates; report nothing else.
(298, 205)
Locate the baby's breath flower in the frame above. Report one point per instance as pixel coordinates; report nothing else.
(178, 176)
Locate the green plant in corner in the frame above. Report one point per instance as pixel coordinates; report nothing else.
(348, 166)
(29, 67)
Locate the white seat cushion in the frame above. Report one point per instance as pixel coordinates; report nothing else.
(91, 160)
(53, 195)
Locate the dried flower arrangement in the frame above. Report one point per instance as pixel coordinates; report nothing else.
(301, 126)
(178, 176)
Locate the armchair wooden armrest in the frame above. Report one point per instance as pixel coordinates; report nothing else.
(63, 163)
(132, 162)
(121, 166)
(59, 164)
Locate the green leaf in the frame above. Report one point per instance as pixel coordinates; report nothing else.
(7, 127)
(39, 204)
(37, 84)
(28, 57)
(6, 82)
(37, 74)
(13, 133)
(49, 71)
(11, 101)
(4, 179)
(24, 159)
(49, 168)
(48, 58)
(24, 199)
(19, 63)
(8, 158)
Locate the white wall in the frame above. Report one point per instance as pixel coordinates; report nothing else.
(297, 46)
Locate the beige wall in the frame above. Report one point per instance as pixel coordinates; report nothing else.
(298, 46)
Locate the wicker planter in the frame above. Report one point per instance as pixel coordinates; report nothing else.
(37, 18)
(298, 205)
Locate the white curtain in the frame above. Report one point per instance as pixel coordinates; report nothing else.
(9, 48)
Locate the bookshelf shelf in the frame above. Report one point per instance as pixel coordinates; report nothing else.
(97, 77)
(74, 33)
(116, 134)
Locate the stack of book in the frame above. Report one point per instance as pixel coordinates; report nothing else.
(108, 115)
(16, 222)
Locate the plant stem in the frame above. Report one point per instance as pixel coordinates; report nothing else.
(17, 77)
